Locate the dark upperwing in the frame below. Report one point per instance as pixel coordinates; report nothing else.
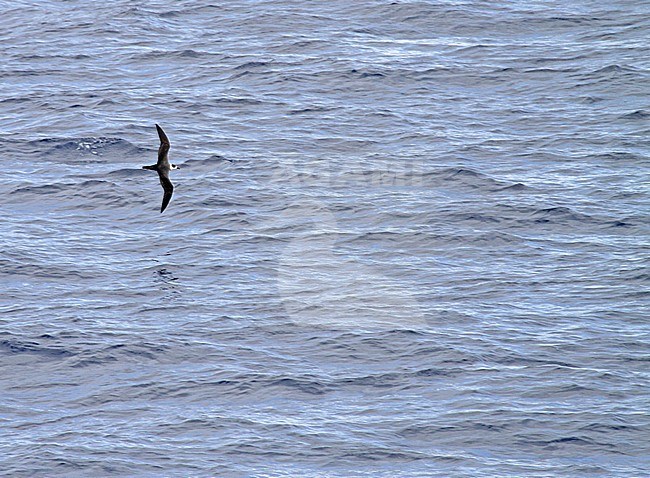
(164, 146)
(167, 186)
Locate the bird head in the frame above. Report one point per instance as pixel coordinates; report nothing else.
(175, 167)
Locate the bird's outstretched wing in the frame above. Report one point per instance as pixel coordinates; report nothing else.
(164, 146)
(168, 188)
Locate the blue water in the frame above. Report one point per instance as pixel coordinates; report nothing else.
(407, 239)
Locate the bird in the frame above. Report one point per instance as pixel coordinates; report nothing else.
(163, 167)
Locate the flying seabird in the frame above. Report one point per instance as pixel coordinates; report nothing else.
(163, 167)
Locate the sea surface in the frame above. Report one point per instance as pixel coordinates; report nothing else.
(407, 239)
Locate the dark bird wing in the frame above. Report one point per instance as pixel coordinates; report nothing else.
(164, 147)
(168, 188)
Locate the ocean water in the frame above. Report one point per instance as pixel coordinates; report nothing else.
(407, 239)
